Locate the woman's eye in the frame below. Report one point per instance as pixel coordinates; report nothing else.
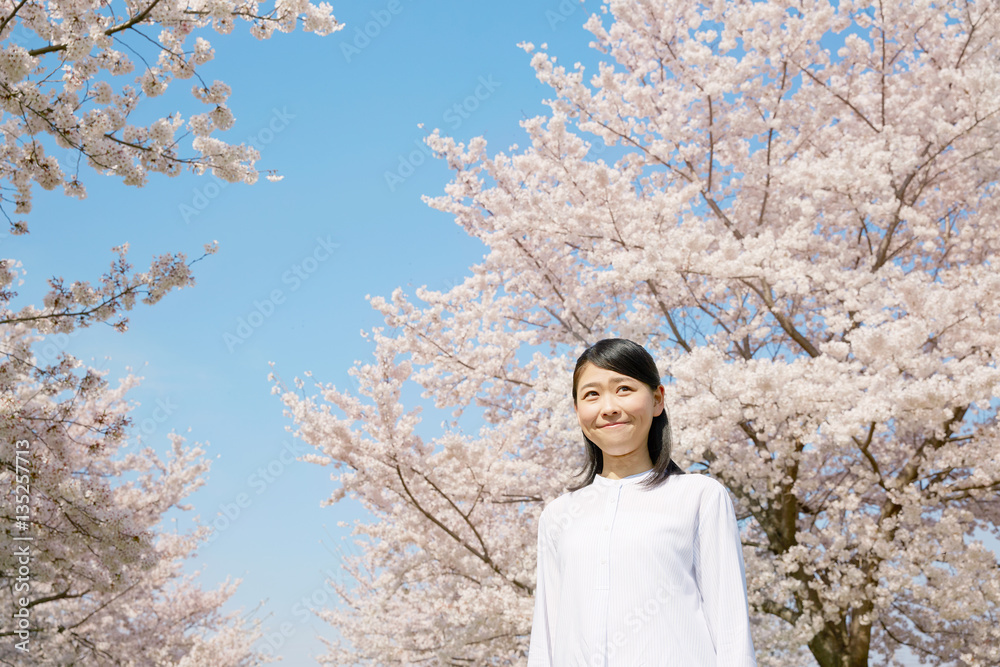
(624, 388)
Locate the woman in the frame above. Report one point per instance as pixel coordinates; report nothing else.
(640, 565)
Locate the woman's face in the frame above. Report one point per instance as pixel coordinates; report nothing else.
(616, 411)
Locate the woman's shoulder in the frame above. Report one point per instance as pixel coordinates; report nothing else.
(554, 516)
(560, 502)
(698, 483)
(552, 507)
(698, 478)
(570, 502)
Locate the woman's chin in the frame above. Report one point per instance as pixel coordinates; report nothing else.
(618, 452)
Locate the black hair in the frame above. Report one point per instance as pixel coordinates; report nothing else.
(630, 359)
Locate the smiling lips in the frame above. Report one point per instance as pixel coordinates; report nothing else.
(614, 424)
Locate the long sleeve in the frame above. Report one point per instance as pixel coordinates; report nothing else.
(541, 652)
(721, 579)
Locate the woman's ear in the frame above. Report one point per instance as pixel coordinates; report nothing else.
(658, 401)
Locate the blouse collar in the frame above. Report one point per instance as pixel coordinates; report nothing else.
(631, 479)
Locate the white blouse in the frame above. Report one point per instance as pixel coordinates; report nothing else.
(636, 577)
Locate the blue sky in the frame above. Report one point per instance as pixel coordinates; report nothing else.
(334, 116)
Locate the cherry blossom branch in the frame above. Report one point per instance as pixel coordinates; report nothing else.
(766, 295)
(670, 320)
(10, 18)
(484, 557)
(138, 18)
(822, 84)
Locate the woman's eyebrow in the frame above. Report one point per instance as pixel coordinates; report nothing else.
(612, 380)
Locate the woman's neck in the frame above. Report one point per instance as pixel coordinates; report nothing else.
(620, 467)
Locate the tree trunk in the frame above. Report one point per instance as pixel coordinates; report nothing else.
(829, 647)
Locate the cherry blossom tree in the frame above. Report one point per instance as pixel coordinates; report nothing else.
(69, 80)
(89, 573)
(793, 204)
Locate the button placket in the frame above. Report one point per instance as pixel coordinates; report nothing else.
(604, 538)
(603, 583)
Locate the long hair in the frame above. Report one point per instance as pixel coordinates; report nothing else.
(630, 359)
